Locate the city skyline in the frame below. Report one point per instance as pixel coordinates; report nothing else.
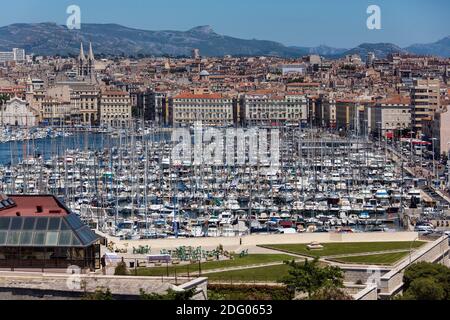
(336, 25)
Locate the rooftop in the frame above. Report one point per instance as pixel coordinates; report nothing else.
(31, 206)
(188, 95)
(41, 221)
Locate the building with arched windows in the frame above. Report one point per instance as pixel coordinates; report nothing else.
(17, 112)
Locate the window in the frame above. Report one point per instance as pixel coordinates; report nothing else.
(4, 223)
(54, 224)
(16, 223)
(26, 237)
(65, 238)
(64, 225)
(3, 235)
(51, 238)
(41, 224)
(39, 238)
(29, 223)
(13, 238)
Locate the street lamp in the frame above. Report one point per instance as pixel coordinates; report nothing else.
(434, 160)
(410, 250)
(448, 166)
(411, 147)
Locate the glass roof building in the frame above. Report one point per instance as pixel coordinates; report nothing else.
(40, 232)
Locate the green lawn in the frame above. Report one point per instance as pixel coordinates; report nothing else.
(344, 248)
(378, 259)
(262, 274)
(251, 259)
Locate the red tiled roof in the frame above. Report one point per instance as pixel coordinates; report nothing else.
(301, 84)
(28, 206)
(188, 95)
(396, 100)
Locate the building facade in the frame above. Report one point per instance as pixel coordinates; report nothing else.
(57, 112)
(16, 54)
(115, 108)
(390, 115)
(210, 109)
(439, 128)
(17, 112)
(271, 109)
(425, 97)
(84, 100)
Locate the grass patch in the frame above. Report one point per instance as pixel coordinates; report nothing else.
(245, 292)
(261, 274)
(377, 259)
(251, 259)
(341, 248)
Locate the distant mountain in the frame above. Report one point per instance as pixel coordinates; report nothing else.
(113, 39)
(323, 50)
(381, 50)
(438, 48)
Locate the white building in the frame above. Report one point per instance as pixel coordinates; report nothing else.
(390, 115)
(17, 112)
(15, 55)
(115, 108)
(210, 109)
(269, 109)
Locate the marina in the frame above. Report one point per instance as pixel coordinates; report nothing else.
(123, 183)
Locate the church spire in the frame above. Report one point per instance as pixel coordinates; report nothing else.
(82, 56)
(91, 52)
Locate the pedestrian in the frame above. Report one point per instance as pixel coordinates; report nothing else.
(240, 241)
(103, 264)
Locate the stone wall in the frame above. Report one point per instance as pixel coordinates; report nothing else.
(73, 286)
(369, 292)
(391, 283)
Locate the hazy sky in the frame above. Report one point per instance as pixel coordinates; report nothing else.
(338, 23)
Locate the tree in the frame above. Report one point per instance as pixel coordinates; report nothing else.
(309, 277)
(3, 98)
(425, 270)
(424, 289)
(331, 293)
(170, 295)
(99, 294)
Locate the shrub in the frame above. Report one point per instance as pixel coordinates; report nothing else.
(121, 269)
(424, 289)
(170, 295)
(99, 294)
(248, 292)
(435, 273)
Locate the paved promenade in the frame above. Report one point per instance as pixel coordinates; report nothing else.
(251, 242)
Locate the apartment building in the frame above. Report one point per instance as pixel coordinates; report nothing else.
(56, 112)
(149, 106)
(425, 97)
(84, 100)
(210, 109)
(16, 54)
(392, 114)
(273, 109)
(326, 112)
(115, 108)
(346, 115)
(439, 128)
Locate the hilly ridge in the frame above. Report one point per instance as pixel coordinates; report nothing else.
(113, 39)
